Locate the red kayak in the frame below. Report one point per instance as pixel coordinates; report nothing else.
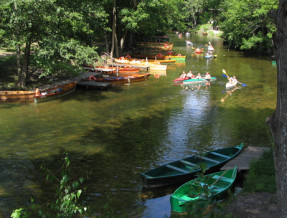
(179, 80)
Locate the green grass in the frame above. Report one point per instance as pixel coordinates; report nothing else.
(261, 175)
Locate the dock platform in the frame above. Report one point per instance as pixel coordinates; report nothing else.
(243, 160)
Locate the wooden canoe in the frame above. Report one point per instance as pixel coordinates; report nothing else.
(121, 70)
(16, 95)
(119, 79)
(57, 91)
(211, 186)
(185, 169)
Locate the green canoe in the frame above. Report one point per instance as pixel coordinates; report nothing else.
(211, 186)
(183, 170)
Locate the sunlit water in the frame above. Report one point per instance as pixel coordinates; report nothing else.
(111, 136)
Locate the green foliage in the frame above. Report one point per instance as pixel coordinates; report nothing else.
(246, 24)
(19, 213)
(66, 199)
(261, 175)
(59, 32)
(146, 17)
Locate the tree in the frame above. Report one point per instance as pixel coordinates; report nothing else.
(61, 33)
(246, 25)
(278, 122)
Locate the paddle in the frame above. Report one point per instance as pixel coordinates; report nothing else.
(225, 75)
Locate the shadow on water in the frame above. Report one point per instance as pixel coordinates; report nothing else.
(110, 161)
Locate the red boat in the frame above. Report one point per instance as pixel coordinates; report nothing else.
(180, 80)
(198, 51)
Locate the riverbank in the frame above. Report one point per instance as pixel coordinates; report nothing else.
(258, 198)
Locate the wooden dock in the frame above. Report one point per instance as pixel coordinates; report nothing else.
(243, 160)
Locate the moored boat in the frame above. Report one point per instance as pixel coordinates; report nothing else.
(119, 79)
(57, 91)
(178, 57)
(211, 186)
(121, 70)
(16, 95)
(185, 169)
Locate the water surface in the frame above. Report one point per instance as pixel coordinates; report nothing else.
(111, 136)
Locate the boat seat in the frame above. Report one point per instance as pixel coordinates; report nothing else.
(220, 155)
(188, 163)
(209, 159)
(176, 168)
(225, 179)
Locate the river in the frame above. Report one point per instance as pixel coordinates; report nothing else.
(111, 136)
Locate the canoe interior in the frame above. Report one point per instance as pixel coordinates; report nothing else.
(216, 183)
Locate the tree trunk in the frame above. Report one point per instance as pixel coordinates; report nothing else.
(18, 60)
(113, 30)
(122, 44)
(26, 61)
(107, 42)
(278, 122)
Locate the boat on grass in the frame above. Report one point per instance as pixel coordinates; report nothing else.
(57, 91)
(182, 170)
(212, 186)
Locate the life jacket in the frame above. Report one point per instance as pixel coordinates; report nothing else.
(37, 92)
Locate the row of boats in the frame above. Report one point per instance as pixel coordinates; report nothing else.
(213, 185)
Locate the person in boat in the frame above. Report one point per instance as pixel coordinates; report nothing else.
(189, 74)
(234, 80)
(198, 51)
(183, 75)
(207, 76)
(198, 76)
(37, 92)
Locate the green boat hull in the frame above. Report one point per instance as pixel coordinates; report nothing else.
(180, 171)
(217, 185)
(191, 81)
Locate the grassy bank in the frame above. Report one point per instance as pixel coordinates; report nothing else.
(207, 28)
(261, 176)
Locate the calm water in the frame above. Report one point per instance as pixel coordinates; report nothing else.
(111, 136)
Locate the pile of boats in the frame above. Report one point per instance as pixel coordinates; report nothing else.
(200, 174)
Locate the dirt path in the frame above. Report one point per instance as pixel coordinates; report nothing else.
(256, 205)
